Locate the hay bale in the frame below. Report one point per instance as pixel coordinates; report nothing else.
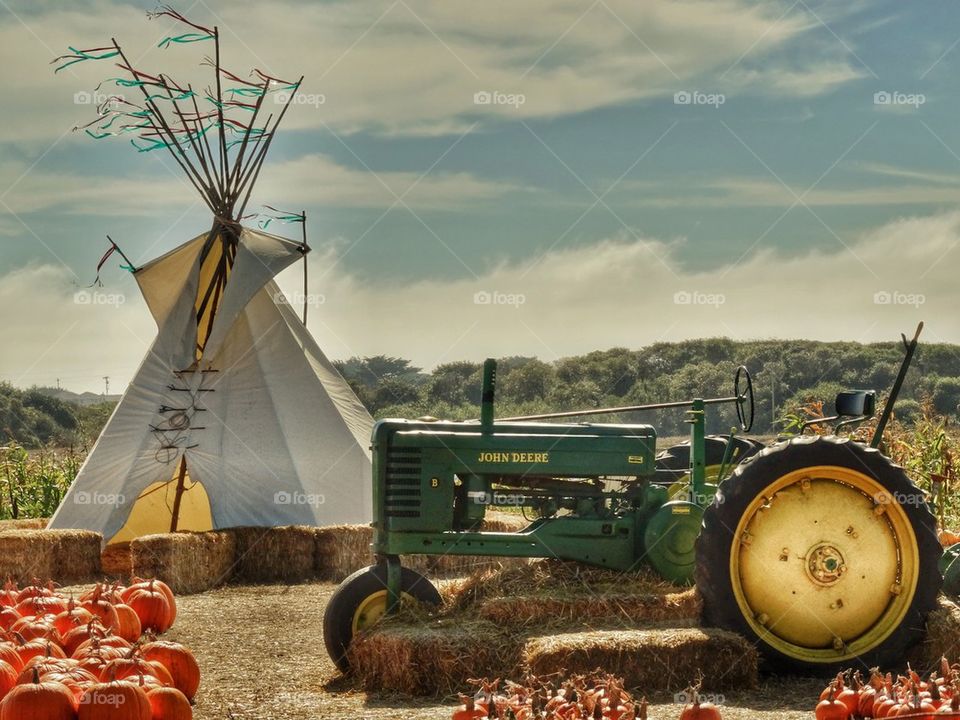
(274, 554)
(341, 550)
(942, 638)
(23, 524)
(188, 562)
(117, 560)
(65, 556)
(433, 659)
(652, 659)
(681, 609)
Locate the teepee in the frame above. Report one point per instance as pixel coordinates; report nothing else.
(235, 417)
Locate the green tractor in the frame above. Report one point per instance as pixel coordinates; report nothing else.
(817, 548)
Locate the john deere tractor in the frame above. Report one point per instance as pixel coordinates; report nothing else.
(818, 548)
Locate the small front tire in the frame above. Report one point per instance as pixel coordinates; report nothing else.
(361, 600)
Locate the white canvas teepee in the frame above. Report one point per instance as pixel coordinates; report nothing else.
(235, 416)
(266, 429)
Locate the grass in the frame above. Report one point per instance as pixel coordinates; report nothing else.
(33, 484)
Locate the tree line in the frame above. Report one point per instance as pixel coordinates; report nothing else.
(787, 374)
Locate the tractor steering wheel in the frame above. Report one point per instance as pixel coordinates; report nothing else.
(745, 397)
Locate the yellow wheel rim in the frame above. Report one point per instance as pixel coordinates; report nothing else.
(371, 610)
(824, 564)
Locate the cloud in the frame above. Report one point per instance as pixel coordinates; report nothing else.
(618, 292)
(626, 293)
(414, 66)
(314, 180)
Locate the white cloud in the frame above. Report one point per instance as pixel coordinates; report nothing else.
(413, 67)
(617, 292)
(309, 180)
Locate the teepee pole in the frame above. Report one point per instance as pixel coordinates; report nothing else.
(306, 251)
(181, 480)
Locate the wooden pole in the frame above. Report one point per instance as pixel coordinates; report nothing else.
(175, 517)
(306, 250)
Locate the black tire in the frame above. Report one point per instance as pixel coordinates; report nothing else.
(348, 598)
(677, 457)
(750, 479)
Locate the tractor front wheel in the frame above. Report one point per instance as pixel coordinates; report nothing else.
(361, 601)
(820, 550)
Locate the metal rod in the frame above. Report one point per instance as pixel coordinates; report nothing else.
(910, 348)
(627, 408)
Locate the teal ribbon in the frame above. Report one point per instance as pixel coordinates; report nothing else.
(185, 38)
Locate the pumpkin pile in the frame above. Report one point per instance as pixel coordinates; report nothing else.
(850, 697)
(583, 697)
(95, 657)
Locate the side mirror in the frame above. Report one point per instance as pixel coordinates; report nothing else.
(856, 403)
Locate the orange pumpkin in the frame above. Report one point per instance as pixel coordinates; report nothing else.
(179, 660)
(133, 666)
(39, 701)
(39, 648)
(8, 616)
(71, 617)
(159, 585)
(101, 609)
(77, 680)
(129, 623)
(152, 607)
(8, 679)
(114, 701)
(169, 704)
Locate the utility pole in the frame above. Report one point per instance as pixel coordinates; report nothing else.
(58, 384)
(106, 385)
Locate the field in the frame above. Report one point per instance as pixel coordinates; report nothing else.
(262, 655)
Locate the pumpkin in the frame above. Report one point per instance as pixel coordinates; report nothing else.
(179, 660)
(39, 700)
(159, 585)
(114, 701)
(830, 708)
(35, 589)
(133, 666)
(8, 678)
(101, 609)
(9, 655)
(169, 704)
(8, 596)
(8, 616)
(698, 710)
(152, 607)
(128, 626)
(43, 665)
(32, 628)
(41, 605)
(72, 616)
(39, 648)
(76, 679)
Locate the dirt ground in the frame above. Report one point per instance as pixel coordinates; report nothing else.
(262, 657)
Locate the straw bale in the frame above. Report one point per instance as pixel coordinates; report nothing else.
(652, 659)
(679, 608)
(65, 556)
(342, 550)
(23, 524)
(432, 659)
(187, 562)
(117, 560)
(942, 638)
(274, 554)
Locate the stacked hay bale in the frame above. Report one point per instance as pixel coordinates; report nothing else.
(274, 554)
(188, 562)
(546, 617)
(67, 556)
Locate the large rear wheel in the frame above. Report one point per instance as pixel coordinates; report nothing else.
(361, 601)
(822, 551)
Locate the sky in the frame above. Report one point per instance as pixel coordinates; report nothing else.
(487, 179)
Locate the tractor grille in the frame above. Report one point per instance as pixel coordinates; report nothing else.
(402, 495)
